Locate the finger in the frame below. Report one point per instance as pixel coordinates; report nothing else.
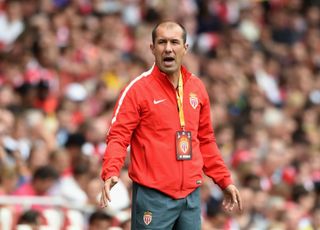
(234, 197)
(227, 204)
(228, 207)
(239, 202)
(231, 206)
(224, 204)
(107, 191)
(108, 195)
(104, 195)
(104, 201)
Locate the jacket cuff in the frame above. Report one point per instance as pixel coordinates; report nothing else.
(223, 184)
(106, 175)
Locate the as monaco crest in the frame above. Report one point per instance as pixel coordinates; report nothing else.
(184, 145)
(193, 100)
(147, 217)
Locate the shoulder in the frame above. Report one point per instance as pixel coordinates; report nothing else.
(197, 82)
(139, 81)
(198, 88)
(25, 189)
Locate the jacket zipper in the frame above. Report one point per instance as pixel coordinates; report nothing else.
(182, 177)
(182, 165)
(182, 168)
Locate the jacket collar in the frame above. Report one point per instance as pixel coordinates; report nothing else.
(164, 78)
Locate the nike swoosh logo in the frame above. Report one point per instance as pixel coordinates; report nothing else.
(158, 101)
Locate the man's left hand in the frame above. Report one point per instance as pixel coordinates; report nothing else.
(231, 198)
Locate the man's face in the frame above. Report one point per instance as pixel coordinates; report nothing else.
(169, 48)
(42, 186)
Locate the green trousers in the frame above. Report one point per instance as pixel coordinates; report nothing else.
(152, 209)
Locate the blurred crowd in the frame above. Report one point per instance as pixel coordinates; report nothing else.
(64, 62)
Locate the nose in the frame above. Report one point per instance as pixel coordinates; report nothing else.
(168, 47)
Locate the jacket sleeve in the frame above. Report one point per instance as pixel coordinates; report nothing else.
(214, 166)
(126, 117)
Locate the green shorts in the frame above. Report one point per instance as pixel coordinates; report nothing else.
(152, 209)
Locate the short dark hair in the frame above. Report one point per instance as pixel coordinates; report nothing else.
(81, 169)
(75, 140)
(45, 172)
(99, 215)
(29, 217)
(154, 31)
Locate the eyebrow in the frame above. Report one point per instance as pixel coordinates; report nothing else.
(169, 39)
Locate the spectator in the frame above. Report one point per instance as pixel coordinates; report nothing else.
(42, 180)
(11, 23)
(99, 220)
(8, 180)
(73, 187)
(31, 219)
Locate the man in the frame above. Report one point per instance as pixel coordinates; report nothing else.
(43, 179)
(30, 219)
(164, 114)
(99, 220)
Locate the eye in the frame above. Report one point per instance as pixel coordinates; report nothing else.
(175, 42)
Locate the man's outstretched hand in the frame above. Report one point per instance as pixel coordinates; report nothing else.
(105, 193)
(231, 198)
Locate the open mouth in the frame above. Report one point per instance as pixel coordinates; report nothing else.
(168, 60)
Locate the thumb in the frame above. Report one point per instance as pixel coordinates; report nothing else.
(114, 180)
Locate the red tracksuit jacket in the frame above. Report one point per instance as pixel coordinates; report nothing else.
(146, 117)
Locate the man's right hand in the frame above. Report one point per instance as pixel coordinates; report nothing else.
(105, 193)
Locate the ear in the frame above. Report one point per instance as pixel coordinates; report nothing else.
(152, 48)
(186, 46)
